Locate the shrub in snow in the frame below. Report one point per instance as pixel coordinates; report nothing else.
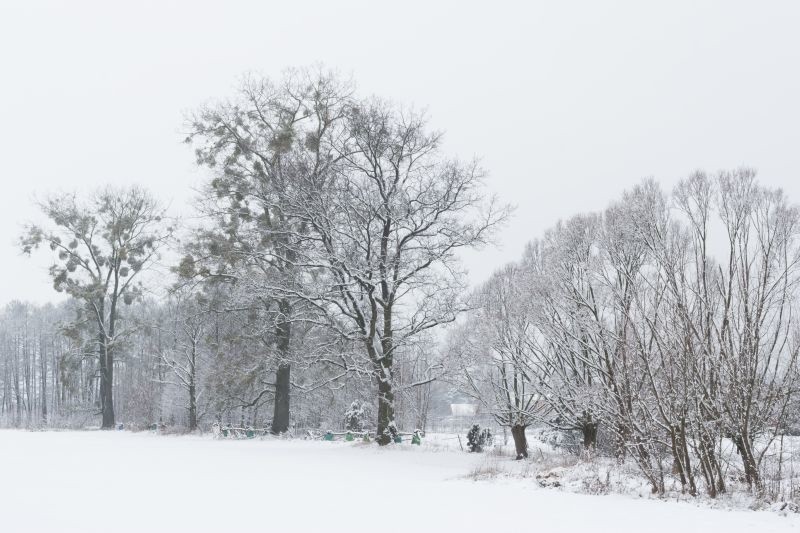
(472, 439)
(354, 417)
(391, 433)
(477, 438)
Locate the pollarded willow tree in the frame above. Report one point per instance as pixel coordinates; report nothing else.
(747, 345)
(102, 246)
(493, 356)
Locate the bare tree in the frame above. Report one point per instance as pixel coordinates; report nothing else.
(188, 321)
(493, 350)
(385, 225)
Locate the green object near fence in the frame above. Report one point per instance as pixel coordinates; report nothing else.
(348, 437)
(224, 432)
(328, 436)
(250, 433)
(398, 439)
(416, 439)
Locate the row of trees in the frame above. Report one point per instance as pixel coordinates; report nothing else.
(326, 256)
(186, 360)
(52, 374)
(666, 324)
(37, 381)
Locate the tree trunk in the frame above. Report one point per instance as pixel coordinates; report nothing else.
(520, 441)
(103, 379)
(280, 418)
(193, 387)
(192, 406)
(681, 461)
(107, 392)
(745, 448)
(386, 427)
(106, 366)
(715, 482)
(283, 333)
(589, 431)
(43, 362)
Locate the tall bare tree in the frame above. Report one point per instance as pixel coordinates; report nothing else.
(385, 225)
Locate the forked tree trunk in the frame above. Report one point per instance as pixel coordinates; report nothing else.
(712, 472)
(520, 441)
(745, 448)
(681, 461)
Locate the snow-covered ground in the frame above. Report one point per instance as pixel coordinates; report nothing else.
(119, 481)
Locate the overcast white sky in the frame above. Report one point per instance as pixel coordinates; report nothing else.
(567, 103)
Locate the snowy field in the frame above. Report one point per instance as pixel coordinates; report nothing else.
(118, 481)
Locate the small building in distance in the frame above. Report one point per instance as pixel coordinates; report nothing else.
(463, 409)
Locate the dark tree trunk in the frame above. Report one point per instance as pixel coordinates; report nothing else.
(621, 435)
(681, 461)
(745, 448)
(385, 362)
(589, 430)
(107, 392)
(715, 482)
(193, 388)
(280, 417)
(106, 366)
(386, 429)
(43, 362)
(283, 385)
(192, 407)
(520, 441)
